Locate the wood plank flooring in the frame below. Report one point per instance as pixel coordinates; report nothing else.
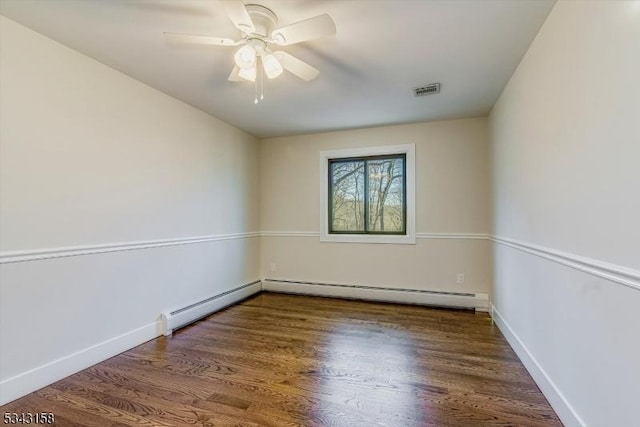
(284, 360)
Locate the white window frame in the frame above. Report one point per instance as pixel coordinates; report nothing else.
(409, 150)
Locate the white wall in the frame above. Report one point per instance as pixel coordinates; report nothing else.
(452, 188)
(90, 156)
(566, 183)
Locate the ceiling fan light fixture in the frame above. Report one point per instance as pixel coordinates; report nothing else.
(248, 73)
(272, 67)
(245, 57)
(253, 58)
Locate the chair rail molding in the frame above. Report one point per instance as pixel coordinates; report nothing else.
(462, 236)
(614, 273)
(8, 257)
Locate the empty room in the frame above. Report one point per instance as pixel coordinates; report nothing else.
(397, 213)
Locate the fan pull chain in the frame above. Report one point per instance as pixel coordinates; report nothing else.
(260, 67)
(255, 90)
(255, 83)
(262, 82)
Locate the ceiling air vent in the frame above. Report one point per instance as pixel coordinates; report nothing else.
(429, 89)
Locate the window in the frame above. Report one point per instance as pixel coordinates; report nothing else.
(368, 195)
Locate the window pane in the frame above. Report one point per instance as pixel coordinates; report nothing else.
(347, 196)
(386, 195)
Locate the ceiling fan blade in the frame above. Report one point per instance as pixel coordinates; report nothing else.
(234, 76)
(309, 29)
(196, 39)
(238, 14)
(296, 66)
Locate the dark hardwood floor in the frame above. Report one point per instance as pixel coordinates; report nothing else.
(283, 360)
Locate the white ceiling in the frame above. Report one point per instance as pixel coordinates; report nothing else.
(382, 49)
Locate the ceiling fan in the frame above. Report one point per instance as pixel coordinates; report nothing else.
(259, 33)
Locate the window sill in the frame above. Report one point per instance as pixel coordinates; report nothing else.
(368, 238)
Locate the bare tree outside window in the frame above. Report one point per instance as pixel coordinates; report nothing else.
(367, 195)
(348, 198)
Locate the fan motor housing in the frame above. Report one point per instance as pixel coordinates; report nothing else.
(264, 20)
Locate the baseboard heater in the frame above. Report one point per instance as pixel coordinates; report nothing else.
(172, 320)
(475, 301)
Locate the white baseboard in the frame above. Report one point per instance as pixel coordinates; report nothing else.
(558, 402)
(34, 379)
(477, 301)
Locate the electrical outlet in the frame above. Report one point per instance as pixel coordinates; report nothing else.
(272, 267)
(460, 278)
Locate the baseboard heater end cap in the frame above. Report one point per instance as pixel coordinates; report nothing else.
(165, 320)
(482, 302)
